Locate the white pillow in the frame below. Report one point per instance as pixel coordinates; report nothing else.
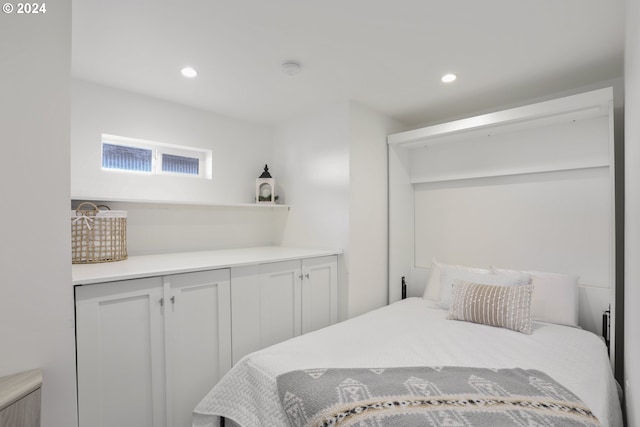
(434, 280)
(555, 296)
(452, 275)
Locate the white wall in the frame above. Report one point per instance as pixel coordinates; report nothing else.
(558, 221)
(368, 209)
(36, 307)
(632, 214)
(240, 149)
(510, 218)
(331, 166)
(311, 168)
(162, 228)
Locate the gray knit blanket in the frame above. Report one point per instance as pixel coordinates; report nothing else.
(428, 396)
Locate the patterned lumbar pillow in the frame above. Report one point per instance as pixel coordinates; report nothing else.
(502, 306)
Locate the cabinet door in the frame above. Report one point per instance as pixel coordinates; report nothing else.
(245, 310)
(319, 293)
(265, 305)
(198, 319)
(277, 301)
(120, 342)
(280, 302)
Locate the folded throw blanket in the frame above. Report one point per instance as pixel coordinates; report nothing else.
(428, 396)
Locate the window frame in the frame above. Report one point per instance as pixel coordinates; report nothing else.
(158, 149)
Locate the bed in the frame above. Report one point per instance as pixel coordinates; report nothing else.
(414, 333)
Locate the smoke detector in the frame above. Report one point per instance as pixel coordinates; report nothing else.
(290, 68)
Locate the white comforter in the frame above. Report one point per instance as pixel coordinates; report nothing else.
(413, 332)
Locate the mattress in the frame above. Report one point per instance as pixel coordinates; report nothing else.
(413, 332)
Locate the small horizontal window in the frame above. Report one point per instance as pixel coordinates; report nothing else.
(126, 158)
(180, 164)
(140, 156)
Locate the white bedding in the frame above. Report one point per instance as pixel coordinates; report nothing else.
(413, 332)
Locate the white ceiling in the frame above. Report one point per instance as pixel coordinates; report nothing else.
(388, 55)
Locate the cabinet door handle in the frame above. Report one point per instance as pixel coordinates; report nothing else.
(300, 277)
(306, 275)
(161, 302)
(173, 300)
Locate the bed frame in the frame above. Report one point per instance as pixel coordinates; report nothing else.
(528, 188)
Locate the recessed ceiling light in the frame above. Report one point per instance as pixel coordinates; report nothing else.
(448, 78)
(189, 72)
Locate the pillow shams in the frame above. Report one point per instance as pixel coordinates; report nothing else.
(555, 297)
(449, 276)
(501, 306)
(433, 287)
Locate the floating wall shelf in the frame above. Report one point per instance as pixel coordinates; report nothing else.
(184, 203)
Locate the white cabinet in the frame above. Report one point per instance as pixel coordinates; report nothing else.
(273, 302)
(320, 293)
(152, 341)
(198, 339)
(120, 356)
(279, 292)
(149, 349)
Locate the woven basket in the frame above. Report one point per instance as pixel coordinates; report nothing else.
(98, 235)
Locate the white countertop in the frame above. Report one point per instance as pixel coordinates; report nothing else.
(184, 262)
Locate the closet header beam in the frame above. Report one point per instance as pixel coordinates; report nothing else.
(575, 107)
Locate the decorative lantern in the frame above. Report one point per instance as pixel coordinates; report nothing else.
(265, 187)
